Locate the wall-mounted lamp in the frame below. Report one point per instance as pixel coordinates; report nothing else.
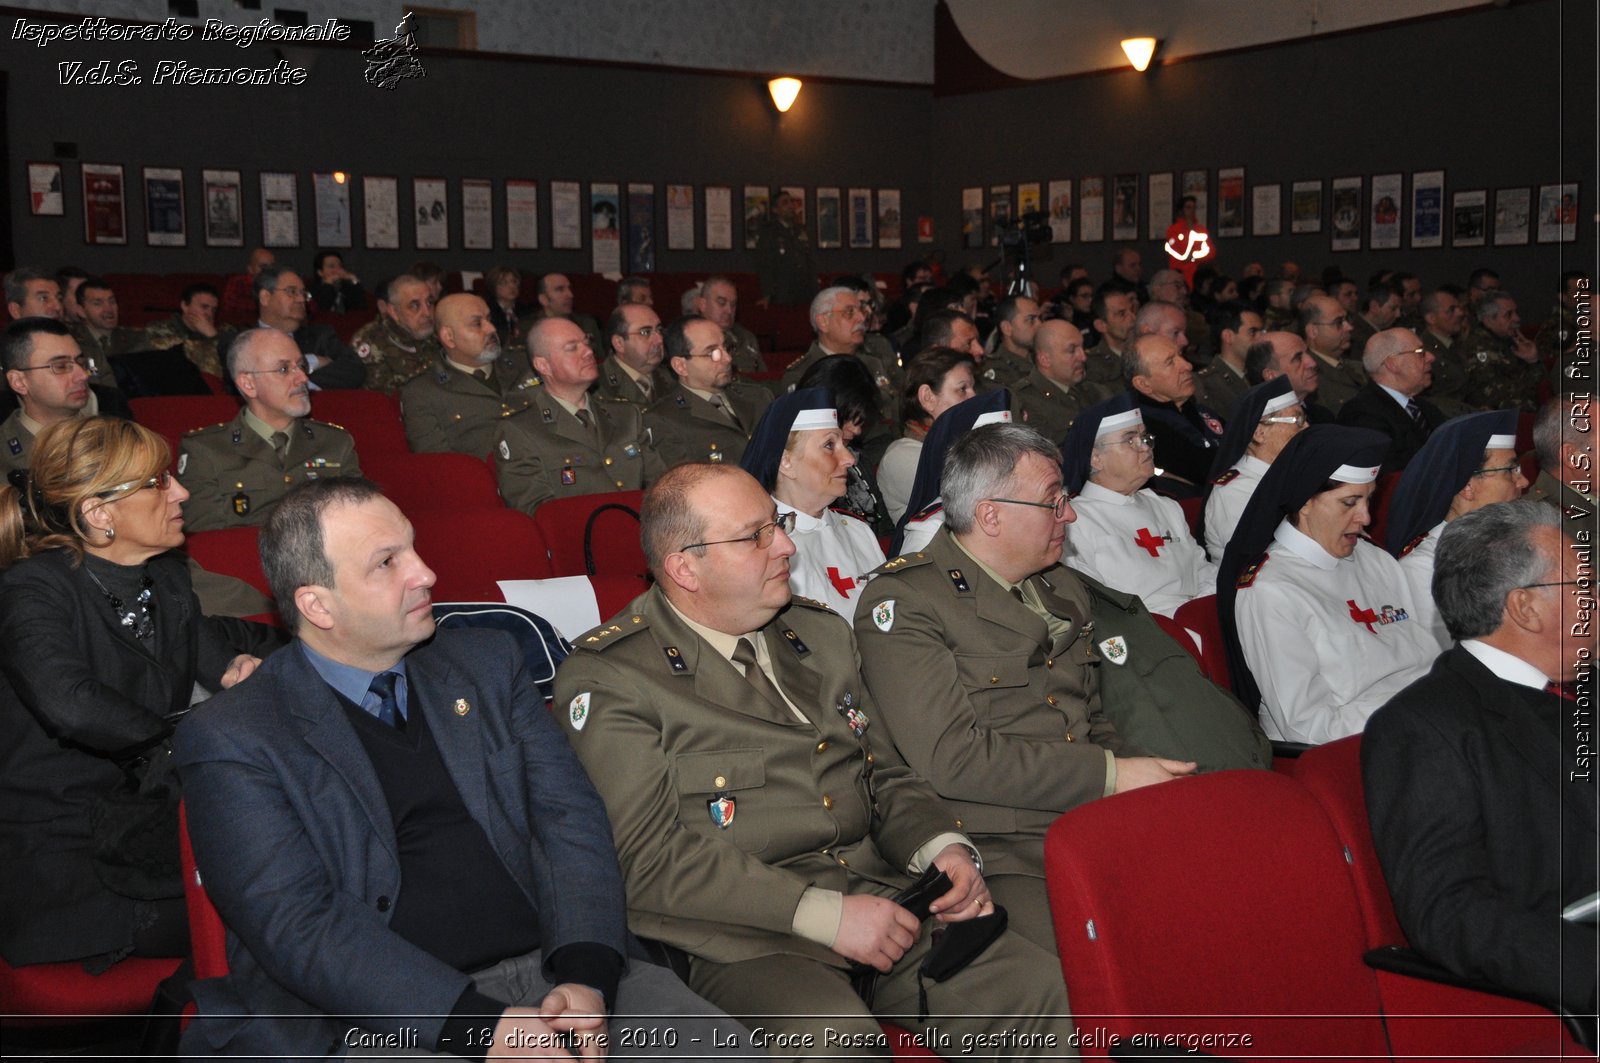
(339, 177)
(1140, 50)
(783, 90)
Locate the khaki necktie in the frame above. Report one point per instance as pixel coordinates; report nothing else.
(726, 407)
(745, 654)
(280, 446)
(587, 420)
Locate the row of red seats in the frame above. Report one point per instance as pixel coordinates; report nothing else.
(1254, 922)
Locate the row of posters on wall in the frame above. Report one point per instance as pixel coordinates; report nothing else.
(620, 219)
(1350, 207)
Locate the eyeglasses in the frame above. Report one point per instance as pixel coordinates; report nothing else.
(1059, 507)
(160, 481)
(1512, 468)
(281, 369)
(1144, 442)
(849, 311)
(716, 352)
(1338, 322)
(1584, 583)
(293, 293)
(1297, 419)
(1420, 352)
(61, 366)
(647, 331)
(762, 537)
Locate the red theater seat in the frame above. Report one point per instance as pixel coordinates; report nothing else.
(1215, 905)
(371, 417)
(469, 551)
(231, 552)
(170, 416)
(613, 535)
(420, 482)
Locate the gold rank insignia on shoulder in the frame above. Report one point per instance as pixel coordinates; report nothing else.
(1226, 478)
(1248, 576)
(959, 581)
(1414, 543)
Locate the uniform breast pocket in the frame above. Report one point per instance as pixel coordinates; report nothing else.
(720, 793)
(981, 672)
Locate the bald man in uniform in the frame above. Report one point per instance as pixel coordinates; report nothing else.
(238, 471)
(709, 415)
(460, 402)
(570, 442)
(1055, 391)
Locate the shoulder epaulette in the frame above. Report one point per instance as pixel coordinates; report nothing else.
(846, 513)
(598, 640)
(810, 603)
(1414, 543)
(1251, 571)
(904, 561)
(794, 363)
(1226, 478)
(207, 428)
(327, 424)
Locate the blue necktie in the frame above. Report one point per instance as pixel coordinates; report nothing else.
(383, 685)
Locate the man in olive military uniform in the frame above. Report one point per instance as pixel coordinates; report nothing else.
(1278, 316)
(840, 324)
(1563, 440)
(99, 334)
(1114, 312)
(238, 471)
(49, 376)
(1054, 392)
(460, 402)
(709, 415)
(1380, 309)
(718, 301)
(569, 442)
(1557, 341)
(987, 657)
(1220, 384)
(761, 813)
(633, 372)
(783, 255)
(1444, 324)
(1503, 370)
(194, 328)
(1012, 357)
(400, 343)
(1326, 328)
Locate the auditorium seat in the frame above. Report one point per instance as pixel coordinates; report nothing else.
(1423, 1017)
(469, 551)
(64, 994)
(231, 552)
(1382, 496)
(207, 938)
(420, 482)
(371, 417)
(170, 416)
(1530, 466)
(1199, 615)
(1218, 905)
(1182, 636)
(612, 533)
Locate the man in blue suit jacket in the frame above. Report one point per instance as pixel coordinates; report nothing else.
(406, 852)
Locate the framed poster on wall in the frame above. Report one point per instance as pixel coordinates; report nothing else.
(1092, 209)
(1125, 206)
(522, 214)
(1266, 210)
(45, 196)
(680, 217)
(830, 218)
(280, 210)
(605, 227)
(1345, 214)
(888, 217)
(380, 210)
(641, 227)
(719, 218)
(330, 198)
(1230, 201)
(1511, 209)
(105, 206)
(1558, 213)
(1469, 218)
(566, 225)
(477, 213)
(165, 224)
(431, 212)
(1427, 208)
(223, 192)
(860, 200)
(1383, 233)
(1060, 193)
(1305, 207)
(972, 217)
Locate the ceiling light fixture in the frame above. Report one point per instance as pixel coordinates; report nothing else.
(1140, 50)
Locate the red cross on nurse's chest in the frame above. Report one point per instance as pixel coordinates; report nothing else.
(1360, 615)
(1152, 543)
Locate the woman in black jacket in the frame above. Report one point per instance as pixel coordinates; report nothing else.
(102, 650)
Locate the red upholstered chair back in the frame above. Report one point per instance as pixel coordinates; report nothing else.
(471, 550)
(1200, 616)
(614, 539)
(371, 417)
(1382, 496)
(208, 940)
(231, 551)
(1181, 636)
(1224, 895)
(64, 994)
(170, 416)
(443, 481)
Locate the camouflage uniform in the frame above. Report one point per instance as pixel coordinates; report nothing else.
(1496, 378)
(393, 357)
(235, 477)
(548, 453)
(207, 353)
(448, 410)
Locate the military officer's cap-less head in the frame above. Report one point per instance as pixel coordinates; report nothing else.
(466, 332)
(270, 372)
(1003, 499)
(717, 546)
(1474, 456)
